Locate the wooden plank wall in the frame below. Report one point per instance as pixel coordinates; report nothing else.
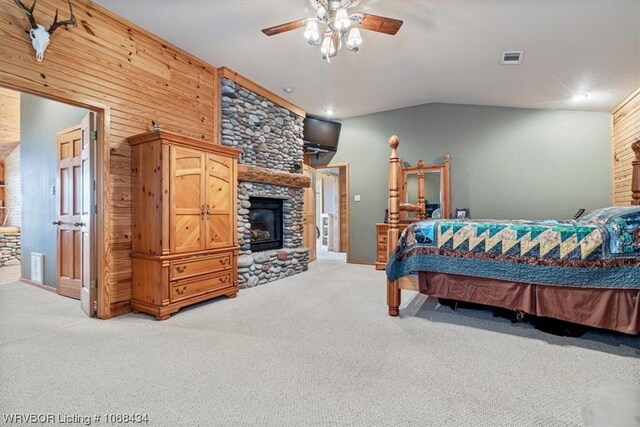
(9, 121)
(135, 76)
(626, 130)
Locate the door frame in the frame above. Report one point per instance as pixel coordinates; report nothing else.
(103, 189)
(343, 168)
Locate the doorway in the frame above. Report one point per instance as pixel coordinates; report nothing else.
(332, 217)
(49, 194)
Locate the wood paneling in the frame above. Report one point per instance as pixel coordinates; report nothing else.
(9, 121)
(626, 130)
(130, 76)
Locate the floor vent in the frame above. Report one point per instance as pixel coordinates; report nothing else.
(512, 57)
(37, 267)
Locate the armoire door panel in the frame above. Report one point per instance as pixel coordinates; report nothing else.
(219, 200)
(218, 194)
(219, 233)
(187, 199)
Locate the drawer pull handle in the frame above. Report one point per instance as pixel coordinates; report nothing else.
(181, 291)
(224, 261)
(224, 279)
(181, 268)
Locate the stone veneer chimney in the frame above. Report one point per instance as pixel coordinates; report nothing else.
(270, 137)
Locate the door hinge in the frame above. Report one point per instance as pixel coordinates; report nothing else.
(93, 283)
(94, 209)
(94, 135)
(95, 306)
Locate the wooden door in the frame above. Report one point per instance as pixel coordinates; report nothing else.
(87, 214)
(69, 204)
(309, 213)
(187, 201)
(220, 210)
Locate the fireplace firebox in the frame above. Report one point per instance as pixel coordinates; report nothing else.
(265, 218)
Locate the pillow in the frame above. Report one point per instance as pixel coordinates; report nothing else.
(623, 225)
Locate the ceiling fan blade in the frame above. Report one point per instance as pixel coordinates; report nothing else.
(282, 28)
(380, 24)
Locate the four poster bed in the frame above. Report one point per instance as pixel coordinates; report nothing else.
(584, 271)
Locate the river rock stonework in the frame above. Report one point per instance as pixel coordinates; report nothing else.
(269, 136)
(9, 248)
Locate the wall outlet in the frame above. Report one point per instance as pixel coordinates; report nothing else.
(356, 198)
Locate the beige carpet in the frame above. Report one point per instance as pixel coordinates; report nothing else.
(312, 350)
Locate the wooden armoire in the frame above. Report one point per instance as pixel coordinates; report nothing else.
(184, 235)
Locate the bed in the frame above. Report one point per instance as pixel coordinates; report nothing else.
(585, 271)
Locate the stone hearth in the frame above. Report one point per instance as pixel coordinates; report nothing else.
(9, 248)
(270, 138)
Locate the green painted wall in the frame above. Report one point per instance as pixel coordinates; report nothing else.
(505, 162)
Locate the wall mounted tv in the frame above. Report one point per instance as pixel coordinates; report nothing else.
(321, 134)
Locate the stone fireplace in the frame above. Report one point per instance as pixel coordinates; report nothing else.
(270, 222)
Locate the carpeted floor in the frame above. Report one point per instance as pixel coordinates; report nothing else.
(314, 349)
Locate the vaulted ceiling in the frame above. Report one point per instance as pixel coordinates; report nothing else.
(446, 51)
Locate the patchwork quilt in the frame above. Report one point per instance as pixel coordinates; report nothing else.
(602, 249)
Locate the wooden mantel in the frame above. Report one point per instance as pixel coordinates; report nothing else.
(269, 176)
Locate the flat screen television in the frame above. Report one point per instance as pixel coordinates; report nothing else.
(321, 133)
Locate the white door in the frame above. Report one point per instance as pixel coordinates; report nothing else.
(88, 290)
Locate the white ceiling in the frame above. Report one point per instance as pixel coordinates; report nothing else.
(446, 51)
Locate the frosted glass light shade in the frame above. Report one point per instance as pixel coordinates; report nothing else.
(328, 48)
(355, 39)
(342, 19)
(311, 32)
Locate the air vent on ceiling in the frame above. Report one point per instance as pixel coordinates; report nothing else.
(512, 57)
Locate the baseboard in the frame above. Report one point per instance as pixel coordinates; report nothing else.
(120, 308)
(361, 263)
(38, 285)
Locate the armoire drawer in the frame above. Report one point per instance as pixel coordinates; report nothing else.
(188, 288)
(201, 265)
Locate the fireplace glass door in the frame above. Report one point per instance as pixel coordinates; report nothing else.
(265, 218)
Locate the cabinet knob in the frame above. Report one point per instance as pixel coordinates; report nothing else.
(181, 291)
(224, 261)
(181, 268)
(224, 279)
(78, 224)
(57, 222)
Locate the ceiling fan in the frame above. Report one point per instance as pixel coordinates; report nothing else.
(334, 14)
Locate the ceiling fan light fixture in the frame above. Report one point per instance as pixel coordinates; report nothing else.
(311, 32)
(354, 40)
(342, 21)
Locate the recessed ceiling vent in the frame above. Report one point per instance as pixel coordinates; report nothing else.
(512, 57)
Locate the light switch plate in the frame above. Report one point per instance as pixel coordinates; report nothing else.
(356, 198)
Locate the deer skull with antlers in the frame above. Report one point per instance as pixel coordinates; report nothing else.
(39, 35)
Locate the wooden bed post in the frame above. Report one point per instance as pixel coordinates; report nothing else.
(393, 234)
(423, 209)
(635, 177)
(446, 185)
